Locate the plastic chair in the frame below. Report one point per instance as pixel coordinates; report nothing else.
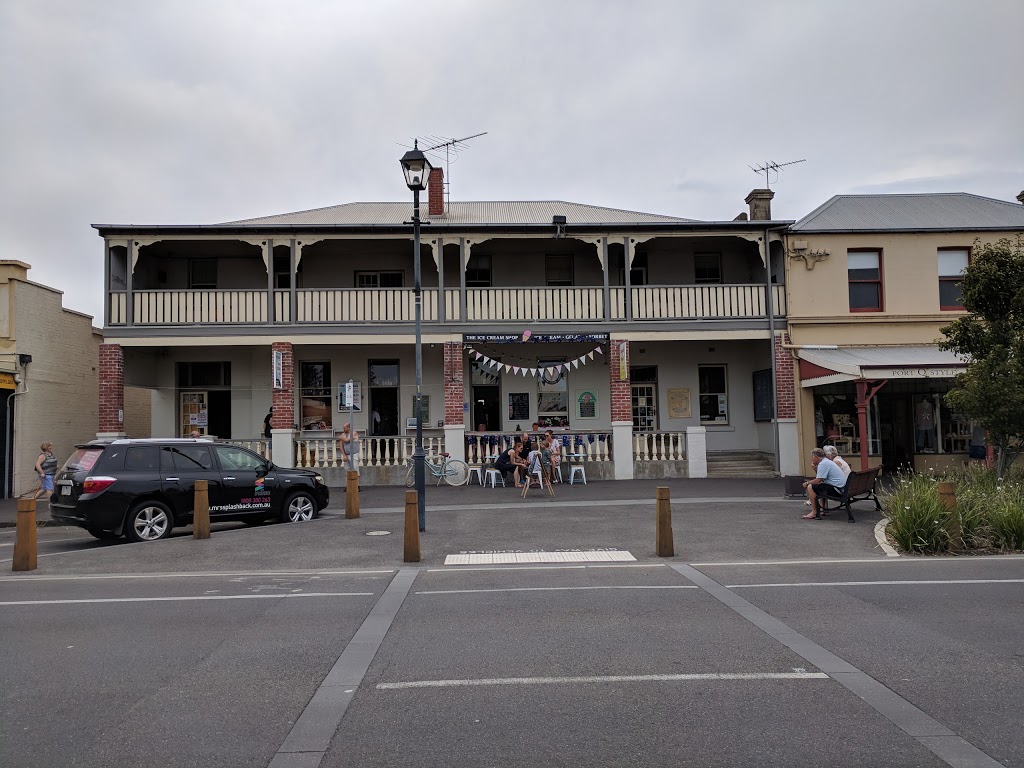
(492, 475)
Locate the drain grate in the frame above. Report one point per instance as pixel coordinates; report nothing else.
(511, 558)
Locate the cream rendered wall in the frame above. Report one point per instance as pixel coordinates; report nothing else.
(61, 384)
(138, 412)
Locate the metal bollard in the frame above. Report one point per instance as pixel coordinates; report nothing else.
(663, 544)
(25, 543)
(201, 512)
(352, 495)
(412, 527)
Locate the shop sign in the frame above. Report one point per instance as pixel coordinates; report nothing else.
(910, 372)
(518, 338)
(7, 381)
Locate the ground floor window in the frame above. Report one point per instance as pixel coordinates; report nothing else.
(552, 395)
(714, 394)
(315, 410)
(644, 397)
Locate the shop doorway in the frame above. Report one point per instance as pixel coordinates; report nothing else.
(383, 387)
(486, 408)
(897, 431)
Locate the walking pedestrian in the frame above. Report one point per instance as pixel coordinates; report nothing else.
(46, 468)
(348, 442)
(266, 424)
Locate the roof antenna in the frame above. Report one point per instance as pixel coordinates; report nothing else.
(771, 166)
(434, 145)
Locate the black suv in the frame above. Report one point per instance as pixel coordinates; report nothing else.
(143, 488)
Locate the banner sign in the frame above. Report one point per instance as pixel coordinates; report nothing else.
(521, 338)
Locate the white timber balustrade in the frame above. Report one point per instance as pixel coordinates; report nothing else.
(669, 302)
(363, 305)
(588, 445)
(256, 445)
(375, 451)
(527, 304)
(659, 446)
(186, 307)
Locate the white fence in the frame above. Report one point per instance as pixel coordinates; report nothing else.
(256, 445)
(373, 451)
(667, 302)
(483, 447)
(659, 446)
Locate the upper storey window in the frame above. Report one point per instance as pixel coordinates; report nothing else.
(864, 272)
(952, 264)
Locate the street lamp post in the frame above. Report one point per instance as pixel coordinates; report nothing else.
(416, 168)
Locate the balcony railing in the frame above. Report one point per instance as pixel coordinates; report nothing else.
(578, 445)
(577, 304)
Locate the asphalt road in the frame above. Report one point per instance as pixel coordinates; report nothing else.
(789, 643)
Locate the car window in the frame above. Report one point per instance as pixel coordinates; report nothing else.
(83, 459)
(183, 458)
(142, 457)
(231, 457)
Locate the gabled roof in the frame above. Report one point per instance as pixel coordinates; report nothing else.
(501, 212)
(913, 213)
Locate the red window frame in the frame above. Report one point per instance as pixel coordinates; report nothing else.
(951, 307)
(880, 282)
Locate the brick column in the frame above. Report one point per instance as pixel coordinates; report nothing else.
(111, 374)
(454, 415)
(785, 407)
(282, 420)
(620, 395)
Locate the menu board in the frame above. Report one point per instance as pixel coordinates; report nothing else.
(519, 406)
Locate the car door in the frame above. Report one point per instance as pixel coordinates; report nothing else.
(246, 485)
(180, 466)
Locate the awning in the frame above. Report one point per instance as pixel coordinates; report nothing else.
(923, 361)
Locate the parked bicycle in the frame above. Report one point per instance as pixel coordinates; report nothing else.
(452, 471)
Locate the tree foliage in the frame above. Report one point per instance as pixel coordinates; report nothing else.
(990, 392)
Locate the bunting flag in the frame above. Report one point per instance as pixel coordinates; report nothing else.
(477, 355)
(590, 355)
(515, 369)
(598, 350)
(483, 361)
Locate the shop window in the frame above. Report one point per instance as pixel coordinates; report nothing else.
(552, 396)
(864, 272)
(389, 279)
(478, 271)
(707, 268)
(315, 395)
(714, 394)
(202, 274)
(952, 264)
(558, 269)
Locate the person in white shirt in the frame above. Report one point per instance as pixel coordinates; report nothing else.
(833, 455)
(829, 482)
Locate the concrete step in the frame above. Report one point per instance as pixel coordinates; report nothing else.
(755, 473)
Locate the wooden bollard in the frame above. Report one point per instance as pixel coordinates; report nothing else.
(352, 495)
(663, 543)
(201, 512)
(947, 496)
(412, 527)
(25, 543)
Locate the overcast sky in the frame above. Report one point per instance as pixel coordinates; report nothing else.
(181, 111)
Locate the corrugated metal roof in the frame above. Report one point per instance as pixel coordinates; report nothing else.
(881, 213)
(511, 212)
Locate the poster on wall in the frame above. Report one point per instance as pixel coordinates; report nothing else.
(519, 406)
(586, 405)
(679, 403)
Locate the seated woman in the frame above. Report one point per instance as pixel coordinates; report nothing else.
(833, 455)
(555, 447)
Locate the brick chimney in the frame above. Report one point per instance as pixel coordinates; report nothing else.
(760, 202)
(435, 192)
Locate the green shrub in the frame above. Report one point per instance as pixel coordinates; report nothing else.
(918, 521)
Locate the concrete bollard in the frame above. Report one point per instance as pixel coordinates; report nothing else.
(663, 543)
(352, 495)
(412, 527)
(201, 511)
(25, 543)
(947, 495)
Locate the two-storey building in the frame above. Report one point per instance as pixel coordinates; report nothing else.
(643, 341)
(872, 280)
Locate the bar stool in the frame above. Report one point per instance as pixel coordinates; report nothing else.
(493, 474)
(577, 469)
(475, 471)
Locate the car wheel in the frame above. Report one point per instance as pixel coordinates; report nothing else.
(103, 535)
(300, 508)
(149, 521)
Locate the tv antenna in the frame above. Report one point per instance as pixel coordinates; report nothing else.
(770, 166)
(433, 145)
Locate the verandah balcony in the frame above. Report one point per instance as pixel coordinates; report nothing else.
(490, 305)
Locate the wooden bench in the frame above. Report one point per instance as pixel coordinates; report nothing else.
(860, 486)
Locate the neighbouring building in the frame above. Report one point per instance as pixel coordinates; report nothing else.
(48, 376)
(650, 344)
(872, 280)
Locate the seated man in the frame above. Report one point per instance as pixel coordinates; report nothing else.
(828, 482)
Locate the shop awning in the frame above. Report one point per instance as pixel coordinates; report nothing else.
(820, 365)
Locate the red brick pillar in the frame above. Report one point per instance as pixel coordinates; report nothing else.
(111, 420)
(453, 384)
(785, 384)
(620, 390)
(283, 403)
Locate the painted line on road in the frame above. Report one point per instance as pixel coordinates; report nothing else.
(876, 583)
(882, 540)
(553, 589)
(930, 733)
(703, 676)
(40, 540)
(308, 740)
(184, 598)
(581, 503)
(875, 560)
(187, 574)
(515, 558)
(462, 569)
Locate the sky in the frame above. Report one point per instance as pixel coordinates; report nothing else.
(203, 111)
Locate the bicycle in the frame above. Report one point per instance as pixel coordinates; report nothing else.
(452, 471)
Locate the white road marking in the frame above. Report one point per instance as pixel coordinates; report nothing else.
(875, 583)
(876, 560)
(41, 540)
(582, 556)
(187, 574)
(552, 589)
(184, 599)
(543, 567)
(603, 679)
(648, 501)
